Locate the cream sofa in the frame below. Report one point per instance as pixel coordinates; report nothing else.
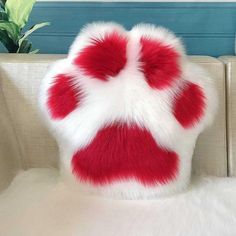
(230, 71)
(26, 143)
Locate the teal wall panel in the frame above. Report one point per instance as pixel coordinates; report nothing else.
(206, 28)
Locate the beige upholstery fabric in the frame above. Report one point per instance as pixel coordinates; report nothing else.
(9, 152)
(25, 142)
(21, 76)
(210, 153)
(230, 63)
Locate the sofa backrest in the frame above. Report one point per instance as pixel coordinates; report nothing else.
(230, 65)
(25, 141)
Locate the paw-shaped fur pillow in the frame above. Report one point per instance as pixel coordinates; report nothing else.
(126, 109)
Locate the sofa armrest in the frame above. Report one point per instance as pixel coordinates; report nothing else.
(210, 154)
(230, 70)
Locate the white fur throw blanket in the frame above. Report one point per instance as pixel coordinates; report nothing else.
(38, 203)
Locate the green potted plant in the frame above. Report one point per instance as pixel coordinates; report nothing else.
(14, 15)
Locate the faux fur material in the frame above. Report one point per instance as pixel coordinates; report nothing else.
(105, 57)
(159, 63)
(189, 105)
(39, 203)
(126, 109)
(161, 169)
(63, 97)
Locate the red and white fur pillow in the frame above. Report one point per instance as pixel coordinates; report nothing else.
(126, 108)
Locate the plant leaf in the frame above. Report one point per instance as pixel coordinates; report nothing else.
(11, 28)
(19, 11)
(34, 51)
(31, 30)
(8, 42)
(3, 15)
(2, 4)
(25, 47)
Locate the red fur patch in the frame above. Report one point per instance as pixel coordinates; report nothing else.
(62, 97)
(120, 152)
(159, 63)
(189, 105)
(105, 57)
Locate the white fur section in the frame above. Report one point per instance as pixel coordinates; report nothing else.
(128, 98)
(38, 203)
